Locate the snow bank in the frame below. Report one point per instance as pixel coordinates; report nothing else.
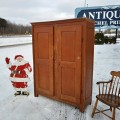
(15, 40)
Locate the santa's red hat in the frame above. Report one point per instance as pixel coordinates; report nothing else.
(18, 56)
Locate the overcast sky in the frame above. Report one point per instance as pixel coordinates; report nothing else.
(27, 11)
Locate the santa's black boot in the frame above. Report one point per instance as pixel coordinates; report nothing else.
(17, 93)
(25, 93)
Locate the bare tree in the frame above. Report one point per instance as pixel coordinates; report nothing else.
(8, 28)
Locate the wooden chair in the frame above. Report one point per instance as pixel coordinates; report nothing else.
(109, 94)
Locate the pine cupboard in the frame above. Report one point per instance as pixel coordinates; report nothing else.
(63, 60)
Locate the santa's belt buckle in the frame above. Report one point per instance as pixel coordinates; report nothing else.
(16, 72)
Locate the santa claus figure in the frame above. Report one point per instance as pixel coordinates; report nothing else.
(19, 74)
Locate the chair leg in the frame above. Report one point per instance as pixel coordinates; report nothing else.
(94, 109)
(110, 108)
(113, 115)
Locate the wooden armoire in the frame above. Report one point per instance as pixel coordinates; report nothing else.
(63, 60)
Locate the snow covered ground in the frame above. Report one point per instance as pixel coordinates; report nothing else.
(15, 40)
(106, 58)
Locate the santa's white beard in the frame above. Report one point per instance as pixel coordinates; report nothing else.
(22, 62)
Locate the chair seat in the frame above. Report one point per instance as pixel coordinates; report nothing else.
(109, 99)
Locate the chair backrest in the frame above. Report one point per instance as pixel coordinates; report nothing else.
(115, 84)
(112, 87)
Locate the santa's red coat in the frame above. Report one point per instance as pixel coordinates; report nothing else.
(19, 73)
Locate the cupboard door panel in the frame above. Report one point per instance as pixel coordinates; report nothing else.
(69, 61)
(67, 76)
(44, 59)
(67, 46)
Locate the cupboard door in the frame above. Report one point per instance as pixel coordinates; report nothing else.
(68, 42)
(43, 45)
